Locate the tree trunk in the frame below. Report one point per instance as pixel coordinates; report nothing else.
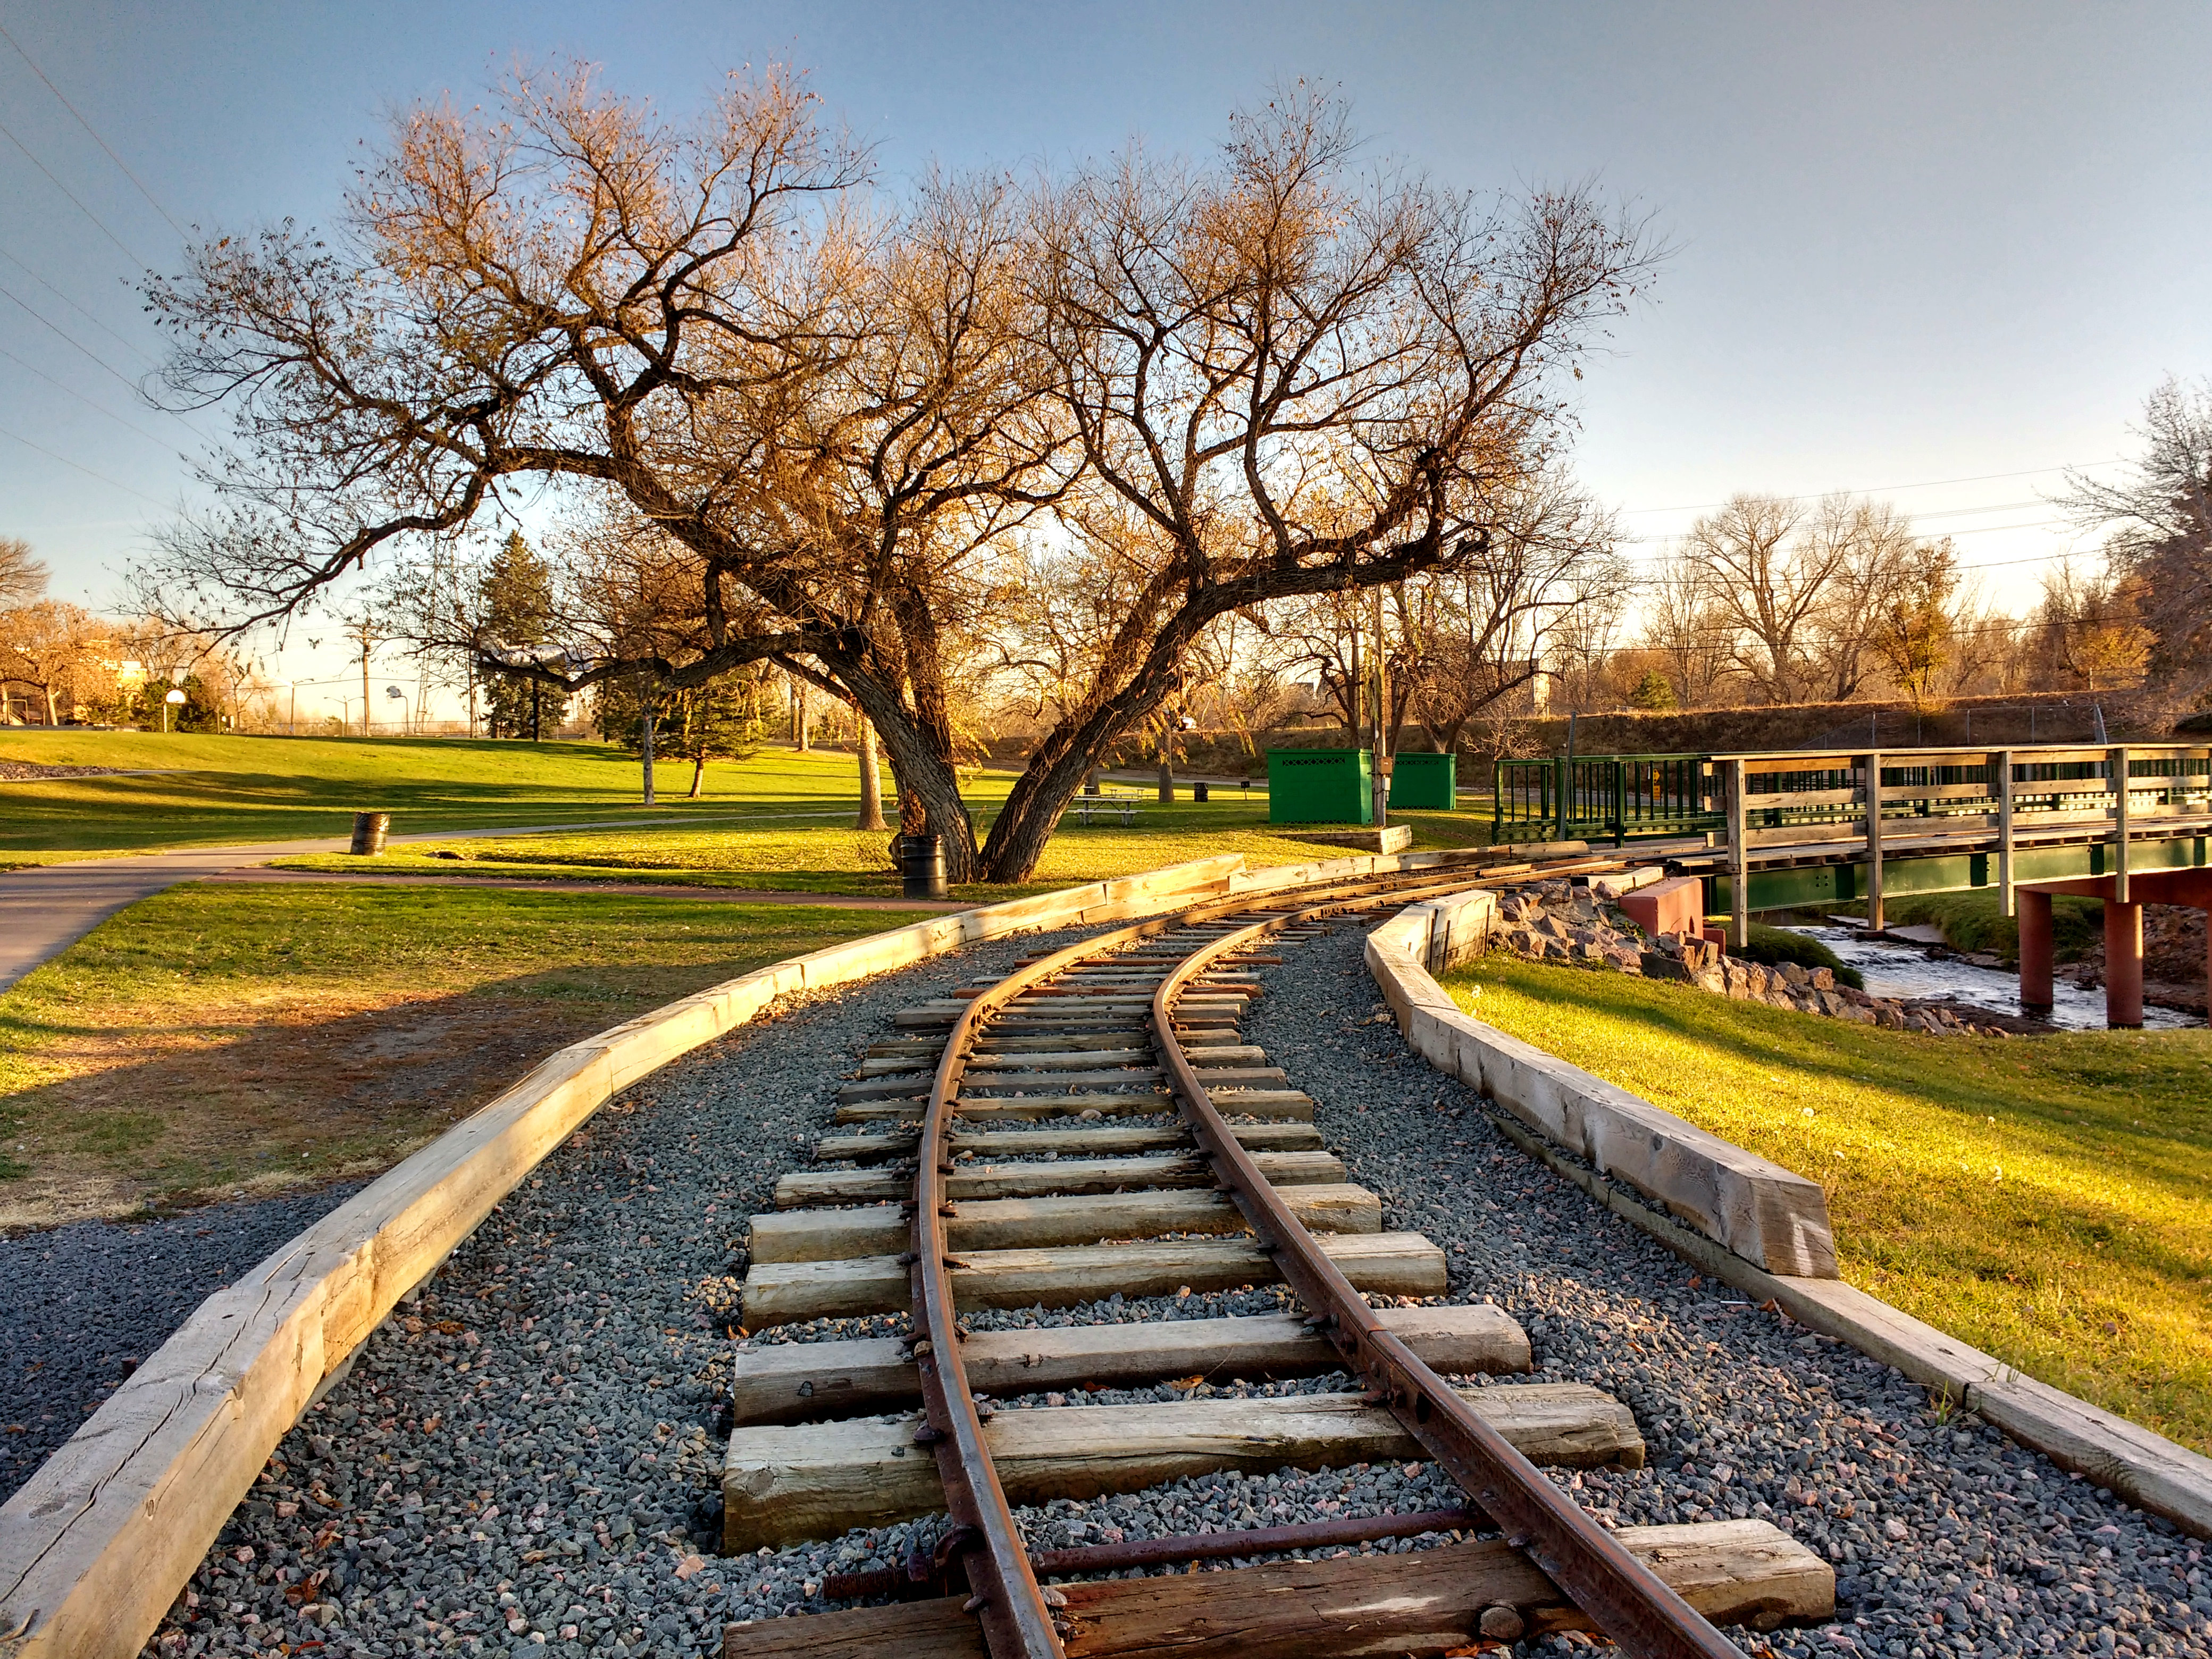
(645, 748)
(799, 710)
(698, 774)
(871, 780)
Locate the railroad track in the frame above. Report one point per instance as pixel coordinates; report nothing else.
(1092, 1130)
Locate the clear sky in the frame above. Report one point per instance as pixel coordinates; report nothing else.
(1916, 246)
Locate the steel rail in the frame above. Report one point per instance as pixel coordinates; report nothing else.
(1005, 1595)
(1624, 1598)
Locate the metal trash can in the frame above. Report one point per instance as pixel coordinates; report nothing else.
(1198, 791)
(921, 866)
(368, 832)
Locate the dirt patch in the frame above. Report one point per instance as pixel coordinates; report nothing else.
(263, 1096)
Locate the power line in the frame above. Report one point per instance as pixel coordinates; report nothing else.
(87, 471)
(86, 125)
(71, 194)
(81, 398)
(98, 360)
(79, 309)
(1883, 490)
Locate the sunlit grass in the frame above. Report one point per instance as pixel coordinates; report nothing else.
(262, 1036)
(2044, 1198)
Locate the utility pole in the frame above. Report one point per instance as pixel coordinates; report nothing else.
(361, 632)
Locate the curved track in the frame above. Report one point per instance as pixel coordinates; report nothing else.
(1141, 1021)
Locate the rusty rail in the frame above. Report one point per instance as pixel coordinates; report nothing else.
(1005, 1594)
(1621, 1595)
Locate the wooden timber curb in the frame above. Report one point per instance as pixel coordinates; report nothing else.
(96, 1545)
(1552, 1106)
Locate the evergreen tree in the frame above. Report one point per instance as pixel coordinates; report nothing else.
(722, 719)
(1654, 691)
(516, 594)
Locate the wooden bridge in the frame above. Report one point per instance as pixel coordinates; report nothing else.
(2128, 823)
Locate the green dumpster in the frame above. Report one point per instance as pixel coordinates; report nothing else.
(1319, 786)
(1424, 780)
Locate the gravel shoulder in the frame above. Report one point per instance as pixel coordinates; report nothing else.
(527, 1460)
(87, 1303)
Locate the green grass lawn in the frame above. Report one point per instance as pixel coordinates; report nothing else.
(835, 858)
(215, 1038)
(2044, 1198)
(214, 790)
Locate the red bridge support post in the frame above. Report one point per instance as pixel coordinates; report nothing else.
(2124, 965)
(2034, 951)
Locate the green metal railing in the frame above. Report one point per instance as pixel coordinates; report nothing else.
(1604, 798)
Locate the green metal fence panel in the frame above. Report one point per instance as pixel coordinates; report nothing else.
(1321, 786)
(1423, 782)
(1611, 797)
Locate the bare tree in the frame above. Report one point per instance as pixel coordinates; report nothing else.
(1769, 583)
(1289, 379)
(2089, 630)
(1689, 631)
(1868, 549)
(2160, 523)
(23, 578)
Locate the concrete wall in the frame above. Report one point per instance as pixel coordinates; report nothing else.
(1760, 1211)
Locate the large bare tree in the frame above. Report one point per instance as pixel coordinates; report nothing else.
(1767, 583)
(1294, 376)
(23, 578)
(835, 416)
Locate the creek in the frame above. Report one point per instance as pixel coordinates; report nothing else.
(1894, 969)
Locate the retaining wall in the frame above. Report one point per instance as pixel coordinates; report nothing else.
(1755, 1225)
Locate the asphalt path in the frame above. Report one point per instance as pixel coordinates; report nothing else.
(48, 908)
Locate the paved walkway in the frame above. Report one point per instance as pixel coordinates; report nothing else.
(46, 908)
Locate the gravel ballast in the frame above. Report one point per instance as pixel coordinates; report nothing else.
(87, 1303)
(528, 1460)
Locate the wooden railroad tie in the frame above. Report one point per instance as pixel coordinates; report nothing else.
(1423, 1602)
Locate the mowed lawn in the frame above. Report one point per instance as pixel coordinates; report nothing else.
(824, 858)
(779, 819)
(208, 791)
(2045, 1199)
(222, 1038)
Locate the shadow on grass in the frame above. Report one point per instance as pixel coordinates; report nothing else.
(264, 1101)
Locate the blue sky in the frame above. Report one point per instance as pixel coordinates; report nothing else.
(1913, 245)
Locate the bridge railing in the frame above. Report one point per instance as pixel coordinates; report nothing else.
(1837, 806)
(1604, 798)
(1869, 806)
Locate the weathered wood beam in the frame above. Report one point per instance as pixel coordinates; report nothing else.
(1069, 1143)
(781, 1292)
(1356, 1606)
(1032, 1177)
(804, 1382)
(780, 1485)
(1041, 1223)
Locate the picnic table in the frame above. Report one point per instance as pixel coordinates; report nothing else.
(1117, 802)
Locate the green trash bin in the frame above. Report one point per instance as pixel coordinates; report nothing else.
(1427, 781)
(1321, 786)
